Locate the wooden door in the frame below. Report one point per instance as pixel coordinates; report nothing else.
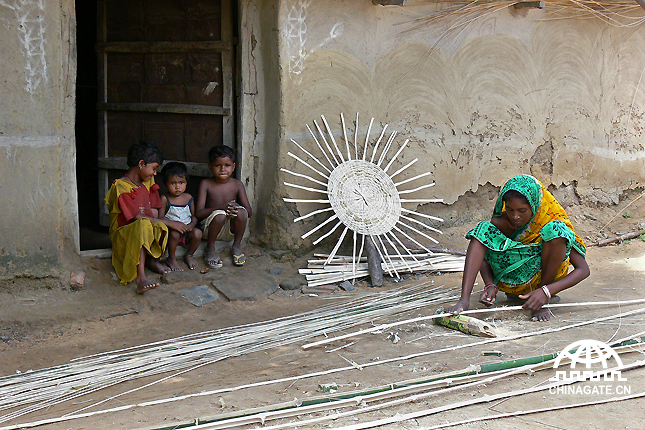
(166, 74)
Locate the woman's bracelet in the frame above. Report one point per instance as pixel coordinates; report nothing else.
(489, 284)
(546, 292)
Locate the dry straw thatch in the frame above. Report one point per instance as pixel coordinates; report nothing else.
(459, 13)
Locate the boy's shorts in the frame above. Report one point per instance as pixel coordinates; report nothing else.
(225, 233)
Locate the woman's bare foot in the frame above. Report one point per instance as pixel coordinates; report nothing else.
(158, 266)
(541, 314)
(144, 285)
(174, 265)
(212, 259)
(190, 262)
(458, 308)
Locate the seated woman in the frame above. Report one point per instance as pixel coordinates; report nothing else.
(525, 250)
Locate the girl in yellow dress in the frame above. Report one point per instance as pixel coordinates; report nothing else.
(138, 236)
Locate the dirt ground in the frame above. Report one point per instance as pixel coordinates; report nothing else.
(42, 328)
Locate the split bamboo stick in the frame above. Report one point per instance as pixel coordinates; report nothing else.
(472, 311)
(535, 411)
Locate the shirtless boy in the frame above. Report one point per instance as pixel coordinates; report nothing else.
(222, 206)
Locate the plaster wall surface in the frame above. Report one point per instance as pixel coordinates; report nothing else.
(513, 92)
(38, 185)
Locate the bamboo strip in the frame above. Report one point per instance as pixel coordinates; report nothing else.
(422, 215)
(417, 231)
(303, 176)
(320, 147)
(356, 138)
(474, 311)
(421, 224)
(333, 229)
(338, 243)
(342, 121)
(367, 138)
(387, 167)
(536, 411)
(307, 164)
(387, 147)
(402, 169)
(327, 221)
(484, 399)
(422, 187)
(302, 187)
(311, 156)
(319, 211)
(331, 151)
(378, 142)
(405, 181)
(331, 135)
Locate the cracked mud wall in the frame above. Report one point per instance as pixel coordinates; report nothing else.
(37, 152)
(513, 93)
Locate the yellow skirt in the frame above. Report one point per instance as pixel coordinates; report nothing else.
(534, 283)
(127, 242)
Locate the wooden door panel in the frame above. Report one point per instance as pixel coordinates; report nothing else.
(166, 74)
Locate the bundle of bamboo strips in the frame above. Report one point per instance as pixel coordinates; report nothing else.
(395, 394)
(341, 268)
(628, 342)
(618, 13)
(34, 390)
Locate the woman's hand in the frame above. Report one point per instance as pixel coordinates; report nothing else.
(488, 296)
(534, 300)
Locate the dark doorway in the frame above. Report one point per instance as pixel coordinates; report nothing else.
(159, 70)
(92, 234)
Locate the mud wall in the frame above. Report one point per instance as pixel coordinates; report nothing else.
(37, 153)
(511, 93)
(259, 108)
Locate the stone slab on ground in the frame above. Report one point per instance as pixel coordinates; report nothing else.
(251, 286)
(199, 295)
(319, 289)
(181, 276)
(293, 283)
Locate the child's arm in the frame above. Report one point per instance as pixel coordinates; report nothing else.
(242, 199)
(164, 207)
(194, 220)
(201, 211)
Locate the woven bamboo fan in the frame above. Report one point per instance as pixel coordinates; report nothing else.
(361, 192)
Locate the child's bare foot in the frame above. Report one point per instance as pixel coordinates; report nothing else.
(158, 267)
(190, 261)
(144, 285)
(212, 259)
(173, 265)
(541, 314)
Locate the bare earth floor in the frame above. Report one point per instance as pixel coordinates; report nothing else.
(49, 327)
